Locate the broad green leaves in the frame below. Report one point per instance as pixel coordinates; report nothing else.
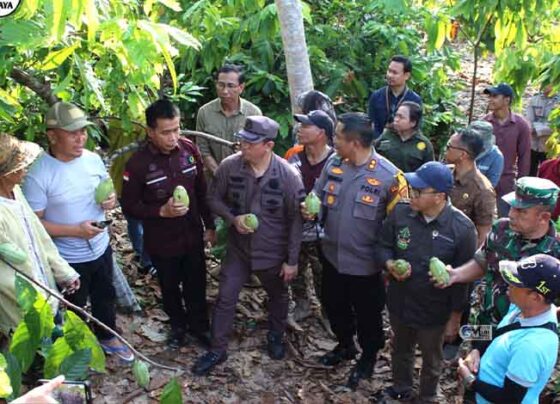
(172, 393)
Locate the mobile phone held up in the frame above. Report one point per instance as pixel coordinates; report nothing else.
(72, 392)
(102, 224)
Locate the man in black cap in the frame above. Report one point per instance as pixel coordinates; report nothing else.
(314, 135)
(515, 365)
(255, 181)
(513, 138)
(429, 226)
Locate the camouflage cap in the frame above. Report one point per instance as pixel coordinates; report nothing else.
(532, 191)
(66, 116)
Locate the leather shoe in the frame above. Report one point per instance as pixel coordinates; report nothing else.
(176, 339)
(338, 354)
(275, 345)
(207, 362)
(362, 370)
(203, 338)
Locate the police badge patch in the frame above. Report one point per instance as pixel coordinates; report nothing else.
(403, 238)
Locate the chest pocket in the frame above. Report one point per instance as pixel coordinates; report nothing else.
(365, 206)
(157, 183)
(237, 194)
(331, 194)
(272, 198)
(444, 246)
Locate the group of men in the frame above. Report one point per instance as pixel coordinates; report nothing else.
(379, 205)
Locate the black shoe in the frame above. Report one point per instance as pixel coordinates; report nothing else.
(362, 370)
(275, 345)
(338, 354)
(202, 337)
(391, 393)
(176, 339)
(206, 362)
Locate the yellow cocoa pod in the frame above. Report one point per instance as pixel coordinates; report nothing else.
(180, 195)
(251, 221)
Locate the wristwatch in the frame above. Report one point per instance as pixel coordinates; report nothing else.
(469, 380)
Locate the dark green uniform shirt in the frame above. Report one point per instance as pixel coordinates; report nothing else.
(407, 155)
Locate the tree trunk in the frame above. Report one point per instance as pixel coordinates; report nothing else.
(295, 48)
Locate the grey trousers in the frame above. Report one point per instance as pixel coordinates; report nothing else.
(235, 272)
(430, 341)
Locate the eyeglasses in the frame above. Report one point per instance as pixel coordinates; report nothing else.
(229, 86)
(417, 193)
(450, 146)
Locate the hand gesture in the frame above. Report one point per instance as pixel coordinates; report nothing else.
(110, 202)
(173, 209)
(288, 272)
(240, 226)
(87, 230)
(391, 267)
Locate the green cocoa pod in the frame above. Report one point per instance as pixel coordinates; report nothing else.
(401, 267)
(312, 203)
(180, 195)
(251, 221)
(103, 190)
(13, 254)
(141, 373)
(438, 271)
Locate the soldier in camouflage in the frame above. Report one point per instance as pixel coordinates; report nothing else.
(528, 231)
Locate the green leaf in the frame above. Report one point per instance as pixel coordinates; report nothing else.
(75, 366)
(5, 385)
(92, 20)
(56, 58)
(184, 38)
(172, 4)
(14, 371)
(26, 294)
(171, 393)
(22, 346)
(58, 352)
(3, 363)
(79, 336)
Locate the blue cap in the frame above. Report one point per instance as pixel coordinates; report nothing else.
(258, 129)
(432, 174)
(539, 272)
(502, 88)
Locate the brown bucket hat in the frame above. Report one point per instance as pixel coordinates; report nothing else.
(16, 154)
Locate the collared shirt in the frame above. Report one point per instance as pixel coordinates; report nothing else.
(473, 194)
(525, 356)
(274, 198)
(491, 164)
(550, 169)
(149, 179)
(383, 105)
(513, 137)
(309, 173)
(537, 114)
(354, 202)
(451, 237)
(407, 155)
(211, 119)
(489, 302)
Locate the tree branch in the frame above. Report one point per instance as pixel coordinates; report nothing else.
(84, 313)
(43, 90)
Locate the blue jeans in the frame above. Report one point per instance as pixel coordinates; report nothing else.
(136, 235)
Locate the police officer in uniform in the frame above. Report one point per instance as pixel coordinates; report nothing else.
(358, 188)
(257, 181)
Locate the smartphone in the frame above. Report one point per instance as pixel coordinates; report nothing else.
(72, 392)
(102, 224)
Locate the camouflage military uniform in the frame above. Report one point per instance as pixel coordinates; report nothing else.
(489, 301)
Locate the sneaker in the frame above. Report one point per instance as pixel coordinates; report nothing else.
(207, 362)
(339, 354)
(115, 347)
(275, 345)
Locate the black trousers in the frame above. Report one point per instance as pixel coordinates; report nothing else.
(183, 287)
(96, 282)
(354, 304)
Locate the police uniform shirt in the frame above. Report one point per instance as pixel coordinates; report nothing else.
(355, 200)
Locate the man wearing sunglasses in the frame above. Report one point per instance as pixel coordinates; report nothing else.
(472, 192)
(429, 226)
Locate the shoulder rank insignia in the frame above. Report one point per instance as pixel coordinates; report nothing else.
(337, 170)
(421, 146)
(372, 164)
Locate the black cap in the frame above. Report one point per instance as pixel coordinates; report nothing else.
(539, 272)
(318, 118)
(501, 89)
